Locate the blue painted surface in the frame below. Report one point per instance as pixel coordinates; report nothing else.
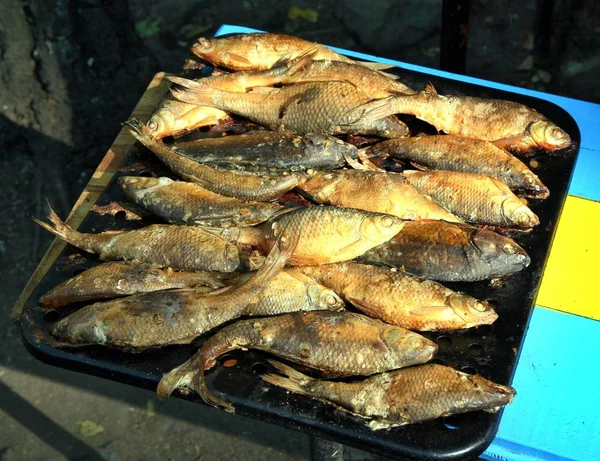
(587, 115)
(556, 412)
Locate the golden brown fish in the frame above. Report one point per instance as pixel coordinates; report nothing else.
(319, 107)
(115, 279)
(258, 51)
(178, 247)
(449, 252)
(373, 191)
(180, 202)
(401, 397)
(290, 291)
(505, 123)
(165, 317)
(400, 299)
(329, 234)
(456, 153)
(245, 186)
(338, 343)
(258, 151)
(474, 198)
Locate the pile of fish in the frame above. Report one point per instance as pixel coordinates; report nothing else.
(297, 223)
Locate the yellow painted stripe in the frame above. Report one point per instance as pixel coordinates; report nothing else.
(571, 280)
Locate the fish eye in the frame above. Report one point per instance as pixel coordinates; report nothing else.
(417, 344)
(387, 221)
(509, 249)
(529, 179)
(204, 43)
(152, 125)
(557, 133)
(330, 300)
(133, 181)
(479, 306)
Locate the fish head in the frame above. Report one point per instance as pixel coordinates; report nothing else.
(323, 298)
(531, 183)
(205, 48)
(328, 146)
(379, 227)
(518, 214)
(472, 311)
(549, 136)
(135, 187)
(501, 254)
(412, 346)
(487, 394)
(162, 122)
(81, 328)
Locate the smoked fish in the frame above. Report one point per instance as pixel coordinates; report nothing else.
(160, 318)
(401, 299)
(245, 186)
(329, 234)
(474, 198)
(507, 124)
(178, 247)
(456, 153)
(376, 191)
(449, 252)
(180, 202)
(400, 397)
(337, 343)
(115, 279)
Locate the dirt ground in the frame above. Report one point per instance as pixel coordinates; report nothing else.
(71, 72)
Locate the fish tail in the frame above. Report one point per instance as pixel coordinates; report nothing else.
(184, 376)
(378, 109)
(208, 397)
(59, 228)
(292, 380)
(200, 95)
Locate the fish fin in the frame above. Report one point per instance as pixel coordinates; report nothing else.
(359, 165)
(237, 59)
(185, 375)
(366, 161)
(390, 76)
(428, 310)
(364, 306)
(375, 65)
(419, 166)
(57, 226)
(430, 90)
(377, 109)
(185, 82)
(292, 379)
(301, 61)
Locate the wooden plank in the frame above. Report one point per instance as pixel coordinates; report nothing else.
(112, 161)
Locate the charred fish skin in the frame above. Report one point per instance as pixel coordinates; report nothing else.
(116, 279)
(474, 198)
(179, 247)
(468, 155)
(449, 252)
(181, 202)
(338, 343)
(400, 397)
(401, 299)
(375, 191)
(161, 318)
(244, 186)
(291, 291)
(321, 107)
(262, 150)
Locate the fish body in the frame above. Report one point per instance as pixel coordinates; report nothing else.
(400, 397)
(326, 234)
(507, 124)
(115, 279)
(337, 343)
(291, 291)
(165, 317)
(373, 191)
(319, 107)
(179, 247)
(468, 155)
(449, 252)
(245, 186)
(401, 299)
(474, 198)
(180, 202)
(261, 150)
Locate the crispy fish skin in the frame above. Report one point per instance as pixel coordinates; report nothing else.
(115, 279)
(469, 155)
(178, 247)
(505, 123)
(400, 397)
(376, 191)
(165, 317)
(449, 252)
(244, 186)
(329, 234)
(180, 202)
(400, 299)
(319, 107)
(266, 149)
(474, 198)
(338, 343)
(291, 291)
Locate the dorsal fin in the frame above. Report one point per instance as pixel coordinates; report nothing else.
(429, 89)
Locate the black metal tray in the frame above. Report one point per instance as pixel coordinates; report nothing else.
(491, 351)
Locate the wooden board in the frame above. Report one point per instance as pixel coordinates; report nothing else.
(113, 159)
